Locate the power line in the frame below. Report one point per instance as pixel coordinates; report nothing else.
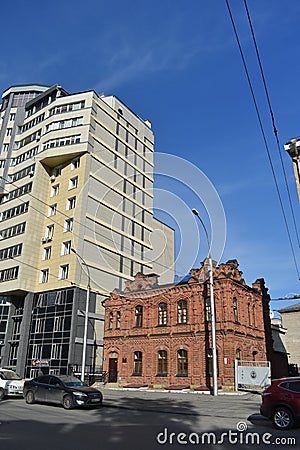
(264, 136)
(272, 118)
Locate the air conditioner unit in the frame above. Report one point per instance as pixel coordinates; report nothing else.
(44, 239)
(52, 178)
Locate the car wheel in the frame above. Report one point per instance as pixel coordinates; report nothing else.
(283, 418)
(29, 397)
(2, 394)
(68, 402)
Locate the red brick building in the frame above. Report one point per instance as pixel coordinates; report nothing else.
(160, 336)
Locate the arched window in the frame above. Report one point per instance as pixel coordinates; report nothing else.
(137, 363)
(162, 314)
(118, 323)
(235, 309)
(207, 309)
(138, 321)
(162, 363)
(182, 311)
(249, 314)
(182, 363)
(110, 321)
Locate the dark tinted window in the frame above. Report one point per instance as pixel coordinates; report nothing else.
(295, 386)
(284, 385)
(54, 381)
(44, 379)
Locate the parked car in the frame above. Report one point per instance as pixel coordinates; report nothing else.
(281, 402)
(10, 384)
(66, 390)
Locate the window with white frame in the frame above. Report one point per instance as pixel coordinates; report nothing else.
(66, 248)
(73, 183)
(52, 210)
(46, 253)
(75, 163)
(57, 171)
(71, 202)
(44, 275)
(8, 131)
(39, 325)
(63, 272)
(56, 351)
(36, 351)
(54, 190)
(49, 231)
(68, 225)
(58, 323)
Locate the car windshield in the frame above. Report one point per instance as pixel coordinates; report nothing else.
(71, 381)
(9, 375)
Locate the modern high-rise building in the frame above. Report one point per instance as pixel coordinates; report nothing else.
(76, 211)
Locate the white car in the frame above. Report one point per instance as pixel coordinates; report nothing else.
(10, 384)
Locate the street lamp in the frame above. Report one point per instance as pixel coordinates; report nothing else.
(212, 307)
(86, 317)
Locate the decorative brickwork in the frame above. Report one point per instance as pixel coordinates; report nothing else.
(160, 336)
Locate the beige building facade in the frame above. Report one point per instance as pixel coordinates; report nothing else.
(76, 193)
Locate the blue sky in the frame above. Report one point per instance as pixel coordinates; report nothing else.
(177, 63)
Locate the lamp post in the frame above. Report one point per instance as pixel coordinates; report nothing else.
(212, 307)
(86, 317)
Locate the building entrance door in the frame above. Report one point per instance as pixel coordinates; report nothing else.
(113, 370)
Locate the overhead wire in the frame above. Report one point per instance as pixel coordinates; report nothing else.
(264, 136)
(275, 129)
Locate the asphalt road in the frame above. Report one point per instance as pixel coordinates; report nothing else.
(142, 420)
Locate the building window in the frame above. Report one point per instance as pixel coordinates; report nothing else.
(56, 351)
(71, 202)
(49, 231)
(118, 322)
(39, 325)
(207, 309)
(11, 252)
(182, 363)
(238, 354)
(57, 171)
(249, 314)
(58, 323)
(110, 321)
(12, 116)
(75, 164)
(46, 253)
(9, 274)
(54, 190)
(182, 311)
(66, 248)
(137, 363)
(52, 210)
(13, 354)
(235, 309)
(8, 131)
(44, 275)
(162, 363)
(138, 316)
(162, 314)
(254, 319)
(63, 272)
(68, 225)
(73, 183)
(209, 363)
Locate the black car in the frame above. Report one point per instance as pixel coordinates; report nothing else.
(66, 390)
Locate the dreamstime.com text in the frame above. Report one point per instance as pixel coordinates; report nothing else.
(234, 437)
